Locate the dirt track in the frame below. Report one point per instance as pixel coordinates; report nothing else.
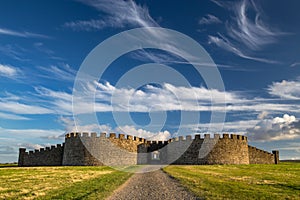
(151, 185)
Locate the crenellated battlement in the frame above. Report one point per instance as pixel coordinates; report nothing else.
(208, 136)
(48, 156)
(104, 135)
(42, 150)
(143, 140)
(91, 148)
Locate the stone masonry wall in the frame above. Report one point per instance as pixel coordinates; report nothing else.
(258, 156)
(91, 149)
(88, 149)
(44, 157)
(231, 149)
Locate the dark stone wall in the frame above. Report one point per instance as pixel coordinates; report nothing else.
(51, 156)
(276, 156)
(258, 156)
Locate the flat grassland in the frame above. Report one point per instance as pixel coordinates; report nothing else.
(240, 181)
(59, 182)
(208, 181)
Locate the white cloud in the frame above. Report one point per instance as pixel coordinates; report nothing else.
(31, 146)
(70, 126)
(278, 128)
(285, 89)
(253, 33)
(20, 108)
(130, 130)
(86, 25)
(292, 146)
(28, 138)
(25, 134)
(25, 34)
(262, 115)
(62, 72)
(12, 116)
(162, 57)
(8, 71)
(14, 51)
(119, 14)
(245, 35)
(152, 98)
(235, 127)
(223, 4)
(295, 64)
(210, 19)
(223, 42)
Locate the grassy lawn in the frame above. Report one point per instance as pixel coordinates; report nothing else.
(59, 182)
(240, 181)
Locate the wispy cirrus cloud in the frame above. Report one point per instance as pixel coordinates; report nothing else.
(225, 44)
(119, 14)
(253, 33)
(24, 34)
(12, 116)
(295, 64)
(209, 19)
(8, 71)
(245, 32)
(22, 108)
(87, 25)
(14, 51)
(62, 72)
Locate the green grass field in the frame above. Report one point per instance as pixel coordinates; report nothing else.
(59, 182)
(209, 181)
(240, 181)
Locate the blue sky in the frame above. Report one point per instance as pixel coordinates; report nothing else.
(254, 44)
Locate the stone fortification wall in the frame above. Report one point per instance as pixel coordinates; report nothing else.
(258, 156)
(92, 149)
(51, 156)
(229, 149)
(85, 149)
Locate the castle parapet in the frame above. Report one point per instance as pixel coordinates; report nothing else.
(112, 135)
(197, 137)
(188, 137)
(122, 136)
(102, 135)
(217, 136)
(85, 134)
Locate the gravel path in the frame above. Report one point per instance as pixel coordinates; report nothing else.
(152, 185)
